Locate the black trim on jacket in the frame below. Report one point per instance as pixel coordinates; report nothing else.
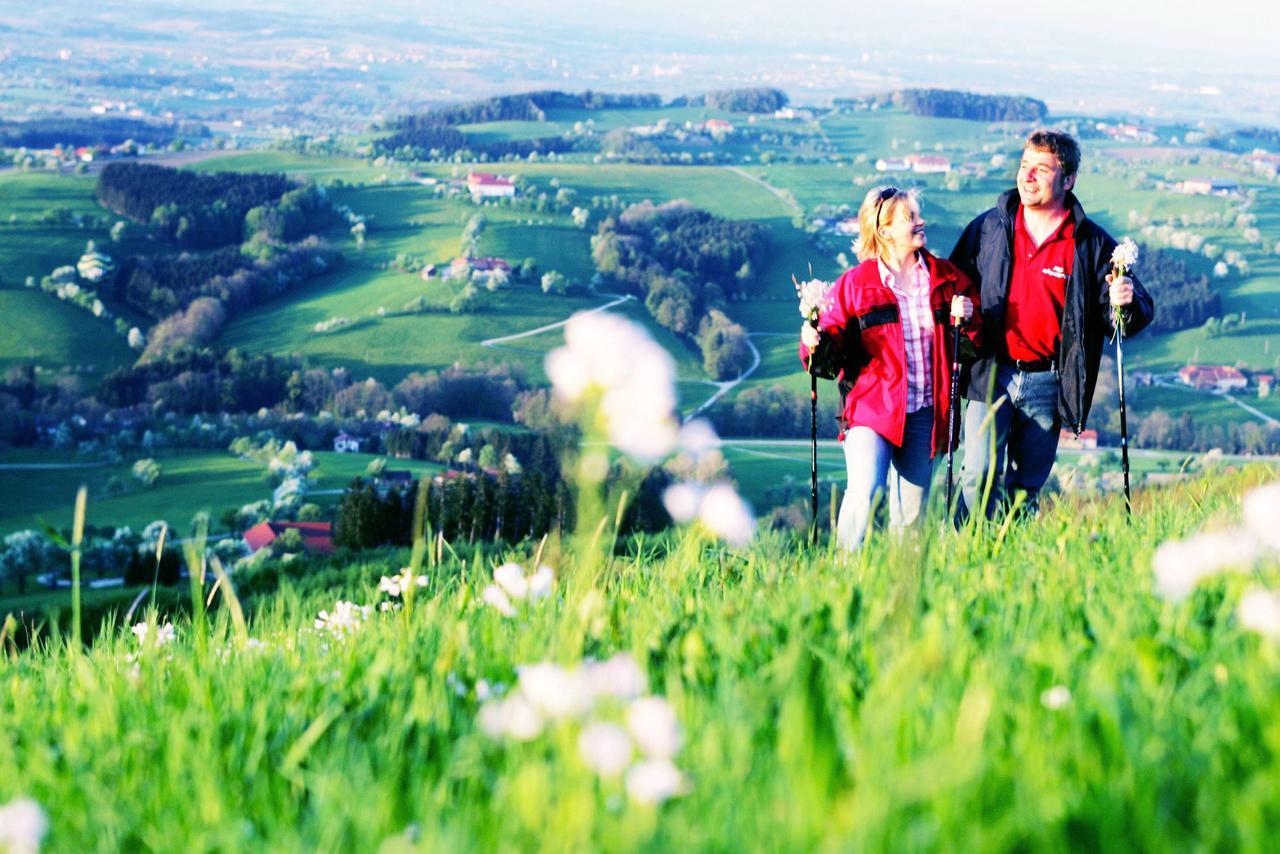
(984, 253)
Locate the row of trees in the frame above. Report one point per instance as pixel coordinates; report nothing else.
(953, 104)
(54, 131)
(752, 100)
(1184, 298)
(193, 209)
(200, 322)
(530, 106)
(685, 261)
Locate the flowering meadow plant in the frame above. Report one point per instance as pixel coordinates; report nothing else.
(815, 298)
(1123, 259)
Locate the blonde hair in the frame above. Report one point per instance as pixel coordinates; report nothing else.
(870, 244)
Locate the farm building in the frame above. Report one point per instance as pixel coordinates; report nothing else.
(486, 185)
(1215, 377)
(316, 536)
(345, 443)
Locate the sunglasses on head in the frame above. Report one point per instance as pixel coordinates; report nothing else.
(885, 195)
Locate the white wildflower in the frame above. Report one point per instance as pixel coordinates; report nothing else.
(1259, 611)
(698, 437)
(727, 516)
(652, 723)
(493, 596)
(654, 781)
(1181, 564)
(682, 501)
(345, 619)
(555, 691)
(23, 825)
(390, 586)
(605, 748)
(815, 298)
(1124, 256)
(1056, 697)
(635, 376)
(164, 634)
(510, 577)
(620, 677)
(513, 717)
(1262, 513)
(541, 583)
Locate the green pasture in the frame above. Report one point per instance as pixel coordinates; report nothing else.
(1020, 686)
(315, 167)
(190, 481)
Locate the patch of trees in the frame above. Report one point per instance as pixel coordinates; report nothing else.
(200, 322)
(428, 142)
(51, 132)
(685, 262)
(774, 412)
(530, 106)
(952, 104)
(487, 391)
(200, 211)
(1183, 299)
(754, 100)
(1160, 429)
(190, 381)
(160, 284)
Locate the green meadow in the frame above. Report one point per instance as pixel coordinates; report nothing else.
(190, 482)
(1021, 687)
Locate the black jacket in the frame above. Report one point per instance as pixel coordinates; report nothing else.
(984, 253)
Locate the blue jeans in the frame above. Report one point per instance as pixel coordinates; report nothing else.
(878, 469)
(1025, 427)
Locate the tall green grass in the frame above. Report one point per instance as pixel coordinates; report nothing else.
(896, 699)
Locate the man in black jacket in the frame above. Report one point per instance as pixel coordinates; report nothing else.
(1044, 270)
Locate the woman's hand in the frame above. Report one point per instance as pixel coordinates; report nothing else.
(809, 336)
(961, 308)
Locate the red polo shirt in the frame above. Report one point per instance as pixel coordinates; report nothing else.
(1037, 291)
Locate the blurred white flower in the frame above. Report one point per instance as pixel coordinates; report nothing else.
(1262, 513)
(541, 583)
(682, 501)
(619, 676)
(345, 619)
(394, 585)
(652, 723)
(23, 825)
(653, 781)
(554, 691)
(1259, 611)
(513, 717)
(635, 377)
(605, 748)
(697, 437)
(494, 596)
(164, 634)
(510, 577)
(1056, 697)
(390, 586)
(727, 516)
(1181, 564)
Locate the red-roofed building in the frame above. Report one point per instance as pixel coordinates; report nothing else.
(1086, 441)
(316, 536)
(1216, 377)
(486, 185)
(927, 163)
(717, 126)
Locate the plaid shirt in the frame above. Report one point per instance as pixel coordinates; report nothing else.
(917, 331)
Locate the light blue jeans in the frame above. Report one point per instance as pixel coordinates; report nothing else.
(1025, 428)
(878, 470)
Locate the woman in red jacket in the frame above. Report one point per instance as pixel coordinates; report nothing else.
(886, 335)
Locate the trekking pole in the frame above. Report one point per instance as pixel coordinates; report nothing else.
(953, 413)
(1124, 425)
(813, 457)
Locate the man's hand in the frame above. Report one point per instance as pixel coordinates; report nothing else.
(1121, 289)
(809, 337)
(961, 308)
